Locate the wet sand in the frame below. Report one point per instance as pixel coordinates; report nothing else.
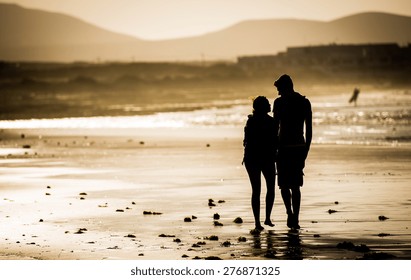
(120, 194)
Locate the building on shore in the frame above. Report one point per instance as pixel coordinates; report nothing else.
(332, 59)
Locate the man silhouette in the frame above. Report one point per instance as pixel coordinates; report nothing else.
(291, 112)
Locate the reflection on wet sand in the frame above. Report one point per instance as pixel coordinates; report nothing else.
(278, 245)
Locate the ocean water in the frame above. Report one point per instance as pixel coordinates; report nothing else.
(380, 118)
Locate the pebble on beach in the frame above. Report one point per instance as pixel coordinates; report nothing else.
(226, 244)
(238, 220)
(211, 203)
(212, 238)
(242, 239)
(151, 213)
(166, 235)
(80, 231)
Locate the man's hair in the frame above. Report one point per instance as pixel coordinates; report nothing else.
(284, 81)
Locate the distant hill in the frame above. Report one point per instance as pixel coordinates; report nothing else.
(34, 35)
(27, 34)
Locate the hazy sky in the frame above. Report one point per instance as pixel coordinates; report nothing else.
(161, 19)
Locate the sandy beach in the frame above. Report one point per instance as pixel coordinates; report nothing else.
(93, 194)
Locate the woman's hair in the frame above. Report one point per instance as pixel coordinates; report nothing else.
(261, 105)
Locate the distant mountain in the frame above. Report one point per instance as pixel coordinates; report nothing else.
(27, 34)
(34, 35)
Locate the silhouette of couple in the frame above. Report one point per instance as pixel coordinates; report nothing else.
(278, 142)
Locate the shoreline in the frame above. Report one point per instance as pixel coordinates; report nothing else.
(101, 182)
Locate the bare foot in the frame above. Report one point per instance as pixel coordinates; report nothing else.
(259, 228)
(268, 223)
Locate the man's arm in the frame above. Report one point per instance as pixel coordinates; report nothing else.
(308, 126)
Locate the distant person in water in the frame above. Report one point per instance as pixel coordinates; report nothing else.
(354, 96)
(260, 145)
(291, 112)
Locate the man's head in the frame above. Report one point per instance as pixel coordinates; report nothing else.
(284, 84)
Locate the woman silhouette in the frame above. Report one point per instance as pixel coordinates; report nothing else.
(260, 145)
